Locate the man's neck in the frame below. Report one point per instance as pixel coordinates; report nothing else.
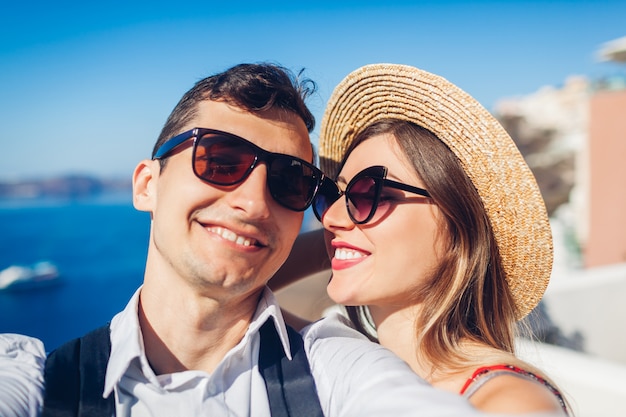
(189, 331)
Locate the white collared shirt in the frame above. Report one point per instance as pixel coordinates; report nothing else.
(353, 376)
(235, 388)
(22, 360)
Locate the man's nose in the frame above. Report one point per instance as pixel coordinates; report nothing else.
(252, 195)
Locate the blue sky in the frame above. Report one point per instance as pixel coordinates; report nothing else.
(85, 87)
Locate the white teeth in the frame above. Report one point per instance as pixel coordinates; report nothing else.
(232, 236)
(243, 241)
(343, 254)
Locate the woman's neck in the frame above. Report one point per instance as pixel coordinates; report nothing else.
(396, 330)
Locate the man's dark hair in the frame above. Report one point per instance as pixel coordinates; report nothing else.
(252, 87)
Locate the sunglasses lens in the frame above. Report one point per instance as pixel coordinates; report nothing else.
(361, 199)
(326, 196)
(292, 183)
(221, 160)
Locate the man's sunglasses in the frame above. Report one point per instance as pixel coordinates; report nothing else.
(221, 158)
(364, 194)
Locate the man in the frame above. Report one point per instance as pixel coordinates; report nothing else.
(229, 179)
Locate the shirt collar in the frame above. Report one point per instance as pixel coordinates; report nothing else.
(127, 340)
(126, 343)
(268, 308)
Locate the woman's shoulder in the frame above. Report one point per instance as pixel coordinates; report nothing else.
(511, 388)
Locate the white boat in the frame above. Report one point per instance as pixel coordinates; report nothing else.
(18, 277)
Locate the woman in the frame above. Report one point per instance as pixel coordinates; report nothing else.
(438, 236)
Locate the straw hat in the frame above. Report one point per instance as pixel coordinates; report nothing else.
(488, 155)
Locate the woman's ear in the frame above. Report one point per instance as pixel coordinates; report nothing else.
(145, 177)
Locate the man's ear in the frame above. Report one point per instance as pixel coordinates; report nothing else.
(145, 178)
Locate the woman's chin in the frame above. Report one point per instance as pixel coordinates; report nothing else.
(346, 295)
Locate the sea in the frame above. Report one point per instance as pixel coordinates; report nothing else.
(99, 245)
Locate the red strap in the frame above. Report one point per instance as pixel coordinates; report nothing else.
(483, 370)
